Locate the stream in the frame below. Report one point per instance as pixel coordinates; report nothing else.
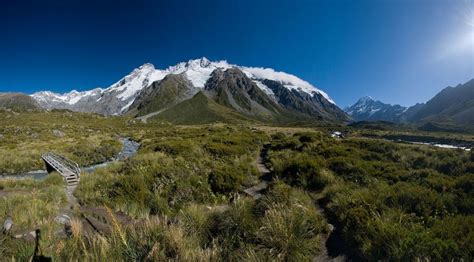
(449, 143)
(129, 149)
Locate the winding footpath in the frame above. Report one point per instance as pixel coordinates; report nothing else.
(89, 215)
(144, 118)
(326, 253)
(265, 174)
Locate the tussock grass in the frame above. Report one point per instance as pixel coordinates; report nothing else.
(385, 197)
(87, 139)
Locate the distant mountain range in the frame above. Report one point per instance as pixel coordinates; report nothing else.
(254, 93)
(368, 109)
(451, 106)
(201, 91)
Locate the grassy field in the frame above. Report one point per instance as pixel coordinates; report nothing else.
(85, 138)
(32, 205)
(183, 192)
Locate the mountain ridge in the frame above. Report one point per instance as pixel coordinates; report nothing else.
(450, 106)
(368, 109)
(131, 93)
(17, 102)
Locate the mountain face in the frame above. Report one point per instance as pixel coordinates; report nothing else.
(200, 109)
(313, 104)
(451, 105)
(163, 94)
(252, 91)
(233, 89)
(367, 109)
(18, 102)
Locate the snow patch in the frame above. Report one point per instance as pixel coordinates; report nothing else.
(198, 71)
(264, 88)
(127, 106)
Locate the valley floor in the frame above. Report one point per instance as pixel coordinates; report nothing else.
(233, 192)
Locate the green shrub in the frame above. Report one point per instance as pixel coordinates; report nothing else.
(226, 179)
(349, 169)
(303, 171)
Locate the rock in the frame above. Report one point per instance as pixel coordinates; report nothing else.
(58, 133)
(63, 219)
(1, 136)
(7, 225)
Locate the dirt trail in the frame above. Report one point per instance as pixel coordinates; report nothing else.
(145, 117)
(95, 219)
(330, 251)
(265, 174)
(327, 253)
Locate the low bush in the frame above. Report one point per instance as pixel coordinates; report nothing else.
(392, 201)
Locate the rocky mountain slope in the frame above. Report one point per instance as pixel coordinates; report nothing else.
(368, 109)
(452, 104)
(17, 102)
(261, 93)
(233, 89)
(200, 109)
(313, 104)
(163, 94)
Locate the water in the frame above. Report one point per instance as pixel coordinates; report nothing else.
(440, 145)
(432, 141)
(129, 149)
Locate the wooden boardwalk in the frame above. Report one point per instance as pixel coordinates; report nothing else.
(67, 168)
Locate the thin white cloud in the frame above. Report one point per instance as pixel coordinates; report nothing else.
(286, 79)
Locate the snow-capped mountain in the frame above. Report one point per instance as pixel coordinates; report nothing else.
(368, 109)
(51, 100)
(118, 98)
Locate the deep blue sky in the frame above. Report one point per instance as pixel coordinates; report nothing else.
(402, 51)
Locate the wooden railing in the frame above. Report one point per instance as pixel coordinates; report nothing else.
(67, 168)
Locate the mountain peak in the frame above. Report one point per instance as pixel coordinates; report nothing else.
(368, 109)
(204, 62)
(146, 66)
(364, 100)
